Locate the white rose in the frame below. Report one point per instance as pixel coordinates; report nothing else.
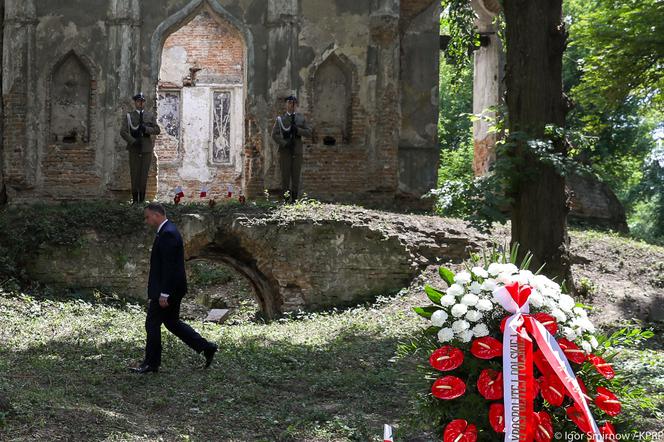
(586, 346)
(479, 271)
(470, 299)
(585, 324)
(445, 334)
(510, 268)
(473, 315)
(438, 318)
(566, 303)
(459, 310)
(489, 285)
(559, 315)
(480, 330)
(460, 325)
(494, 268)
(475, 287)
(466, 335)
(448, 300)
(536, 299)
(593, 342)
(484, 305)
(455, 290)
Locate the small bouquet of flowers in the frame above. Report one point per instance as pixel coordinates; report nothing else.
(515, 358)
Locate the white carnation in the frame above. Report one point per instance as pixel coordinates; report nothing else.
(480, 330)
(527, 274)
(462, 278)
(581, 312)
(569, 333)
(566, 303)
(510, 268)
(484, 305)
(489, 285)
(505, 278)
(521, 279)
(445, 334)
(459, 310)
(559, 315)
(586, 346)
(470, 299)
(593, 342)
(494, 268)
(536, 299)
(448, 300)
(479, 271)
(473, 315)
(438, 318)
(460, 325)
(455, 290)
(475, 287)
(466, 335)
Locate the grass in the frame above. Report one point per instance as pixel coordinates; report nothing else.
(308, 377)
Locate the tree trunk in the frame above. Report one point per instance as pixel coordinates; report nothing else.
(3, 193)
(535, 43)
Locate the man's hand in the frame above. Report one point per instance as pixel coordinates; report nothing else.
(163, 301)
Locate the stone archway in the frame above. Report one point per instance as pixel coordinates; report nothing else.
(200, 71)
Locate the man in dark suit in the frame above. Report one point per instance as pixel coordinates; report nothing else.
(287, 132)
(167, 284)
(139, 129)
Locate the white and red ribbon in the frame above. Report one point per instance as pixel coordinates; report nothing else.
(517, 364)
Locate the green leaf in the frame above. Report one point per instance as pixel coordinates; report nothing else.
(446, 274)
(425, 312)
(433, 294)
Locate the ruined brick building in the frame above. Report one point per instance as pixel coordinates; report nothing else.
(216, 71)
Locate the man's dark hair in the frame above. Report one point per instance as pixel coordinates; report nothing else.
(156, 207)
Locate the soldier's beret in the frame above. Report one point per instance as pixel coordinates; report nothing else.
(139, 96)
(291, 98)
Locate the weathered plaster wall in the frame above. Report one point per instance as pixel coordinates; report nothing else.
(119, 45)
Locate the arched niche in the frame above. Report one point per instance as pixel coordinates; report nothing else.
(70, 100)
(332, 100)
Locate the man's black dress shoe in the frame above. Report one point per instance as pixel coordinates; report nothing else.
(144, 368)
(209, 355)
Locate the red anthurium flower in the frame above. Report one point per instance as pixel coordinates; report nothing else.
(490, 384)
(572, 351)
(460, 430)
(603, 367)
(541, 363)
(497, 417)
(608, 431)
(538, 385)
(543, 427)
(448, 387)
(575, 414)
(486, 348)
(446, 358)
(607, 401)
(553, 390)
(548, 321)
(519, 293)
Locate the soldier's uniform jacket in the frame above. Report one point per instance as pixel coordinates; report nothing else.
(130, 124)
(283, 124)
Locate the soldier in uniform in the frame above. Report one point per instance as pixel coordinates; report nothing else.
(138, 130)
(287, 132)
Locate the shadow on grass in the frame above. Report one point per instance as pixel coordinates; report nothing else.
(258, 389)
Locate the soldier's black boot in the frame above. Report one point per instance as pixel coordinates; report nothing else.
(134, 197)
(141, 197)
